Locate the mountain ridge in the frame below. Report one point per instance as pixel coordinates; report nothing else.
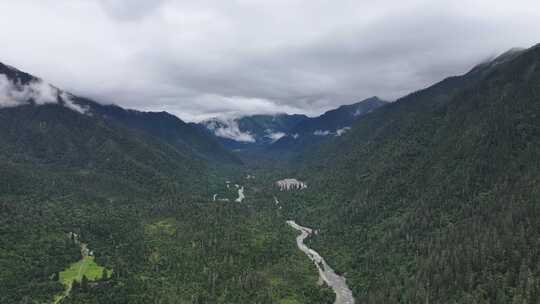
(184, 136)
(263, 134)
(443, 177)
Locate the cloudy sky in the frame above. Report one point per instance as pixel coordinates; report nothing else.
(203, 58)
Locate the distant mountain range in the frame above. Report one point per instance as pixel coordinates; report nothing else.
(213, 139)
(255, 131)
(20, 88)
(284, 132)
(333, 123)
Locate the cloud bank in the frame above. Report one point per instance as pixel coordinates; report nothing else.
(36, 92)
(206, 58)
(274, 136)
(229, 128)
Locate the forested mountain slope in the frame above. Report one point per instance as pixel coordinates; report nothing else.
(280, 136)
(252, 133)
(140, 203)
(435, 198)
(46, 130)
(63, 170)
(54, 138)
(187, 138)
(341, 117)
(314, 131)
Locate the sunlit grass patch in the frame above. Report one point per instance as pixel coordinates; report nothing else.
(75, 272)
(87, 267)
(166, 226)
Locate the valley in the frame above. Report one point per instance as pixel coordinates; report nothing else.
(432, 198)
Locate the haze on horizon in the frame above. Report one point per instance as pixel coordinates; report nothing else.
(211, 58)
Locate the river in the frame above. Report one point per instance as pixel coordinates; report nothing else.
(326, 273)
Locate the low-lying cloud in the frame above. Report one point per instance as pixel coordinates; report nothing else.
(36, 92)
(342, 131)
(274, 136)
(322, 133)
(229, 128)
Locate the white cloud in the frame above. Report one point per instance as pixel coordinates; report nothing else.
(68, 102)
(358, 112)
(8, 93)
(342, 131)
(15, 94)
(274, 136)
(322, 133)
(228, 128)
(38, 92)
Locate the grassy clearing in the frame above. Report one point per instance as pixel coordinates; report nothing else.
(85, 267)
(166, 226)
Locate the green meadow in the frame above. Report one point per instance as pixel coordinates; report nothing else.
(75, 272)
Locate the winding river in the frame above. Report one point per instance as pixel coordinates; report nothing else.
(326, 273)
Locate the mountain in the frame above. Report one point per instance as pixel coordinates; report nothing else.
(255, 131)
(334, 123)
(123, 180)
(267, 134)
(99, 204)
(434, 198)
(331, 122)
(51, 131)
(64, 170)
(187, 138)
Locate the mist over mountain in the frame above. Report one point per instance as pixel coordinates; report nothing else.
(257, 130)
(266, 134)
(333, 123)
(18, 88)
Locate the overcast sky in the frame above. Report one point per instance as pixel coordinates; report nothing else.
(198, 59)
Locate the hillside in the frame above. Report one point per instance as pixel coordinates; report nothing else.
(281, 136)
(63, 170)
(434, 198)
(253, 132)
(99, 205)
(334, 123)
(187, 138)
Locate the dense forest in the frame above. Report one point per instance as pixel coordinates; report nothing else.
(165, 251)
(144, 209)
(434, 198)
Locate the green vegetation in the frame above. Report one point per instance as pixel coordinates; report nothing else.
(435, 198)
(146, 210)
(432, 199)
(86, 268)
(163, 249)
(165, 226)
